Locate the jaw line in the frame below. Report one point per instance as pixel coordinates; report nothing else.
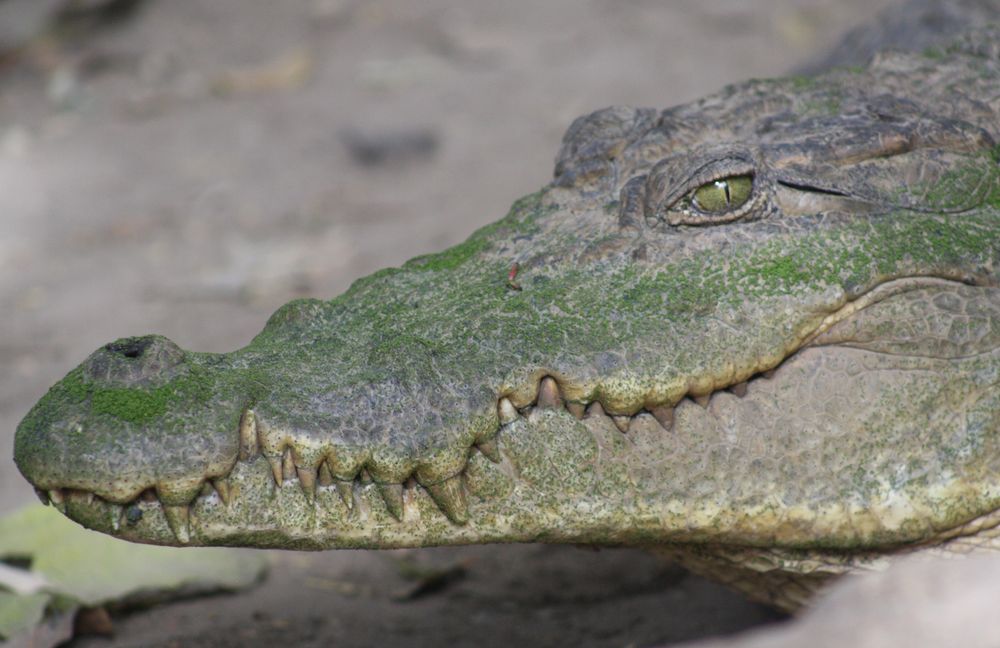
(399, 502)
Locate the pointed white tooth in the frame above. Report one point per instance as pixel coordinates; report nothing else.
(595, 409)
(288, 471)
(248, 436)
(221, 486)
(411, 509)
(576, 409)
(507, 411)
(346, 490)
(324, 476)
(307, 480)
(740, 389)
(56, 495)
(449, 495)
(276, 469)
(116, 511)
(548, 393)
(664, 414)
(392, 494)
(490, 449)
(179, 519)
(704, 400)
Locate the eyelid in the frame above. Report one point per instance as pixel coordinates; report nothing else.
(668, 191)
(674, 180)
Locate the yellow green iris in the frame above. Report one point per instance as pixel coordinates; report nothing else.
(722, 195)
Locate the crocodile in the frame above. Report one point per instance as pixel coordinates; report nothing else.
(758, 333)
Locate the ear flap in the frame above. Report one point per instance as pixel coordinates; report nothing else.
(928, 180)
(891, 153)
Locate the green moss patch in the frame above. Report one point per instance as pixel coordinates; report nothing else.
(134, 405)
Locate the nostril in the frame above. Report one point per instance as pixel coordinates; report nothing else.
(130, 347)
(135, 361)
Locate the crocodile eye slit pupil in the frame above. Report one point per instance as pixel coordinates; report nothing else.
(722, 195)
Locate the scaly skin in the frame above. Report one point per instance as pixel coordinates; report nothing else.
(792, 387)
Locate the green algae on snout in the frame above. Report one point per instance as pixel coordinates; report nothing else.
(134, 405)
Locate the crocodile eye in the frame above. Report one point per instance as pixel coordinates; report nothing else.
(722, 195)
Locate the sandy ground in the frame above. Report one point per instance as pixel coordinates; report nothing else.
(204, 161)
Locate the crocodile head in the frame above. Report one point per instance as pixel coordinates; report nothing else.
(769, 318)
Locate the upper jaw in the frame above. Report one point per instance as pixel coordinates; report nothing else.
(326, 475)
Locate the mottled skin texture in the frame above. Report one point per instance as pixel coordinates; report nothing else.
(773, 393)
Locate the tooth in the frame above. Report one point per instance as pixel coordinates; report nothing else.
(769, 373)
(622, 423)
(346, 490)
(507, 412)
(179, 520)
(276, 469)
(595, 409)
(325, 476)
(307, 479)
(548, 393)
(206, 489)
(116, 511)
(56, 495)
(449, 495)
(248, 436)
(490, 449)
(287, 465)
(665, 415)
(221, 486)
(43, 496)
(411, 509)
(740, 389)
(365, 477)
(576, 409)
(703, 400)
(393, 496)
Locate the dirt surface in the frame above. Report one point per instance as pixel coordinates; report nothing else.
(190, 168)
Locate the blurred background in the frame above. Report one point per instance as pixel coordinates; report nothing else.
(185, 167)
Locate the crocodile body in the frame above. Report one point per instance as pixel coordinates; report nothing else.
(759, 333)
